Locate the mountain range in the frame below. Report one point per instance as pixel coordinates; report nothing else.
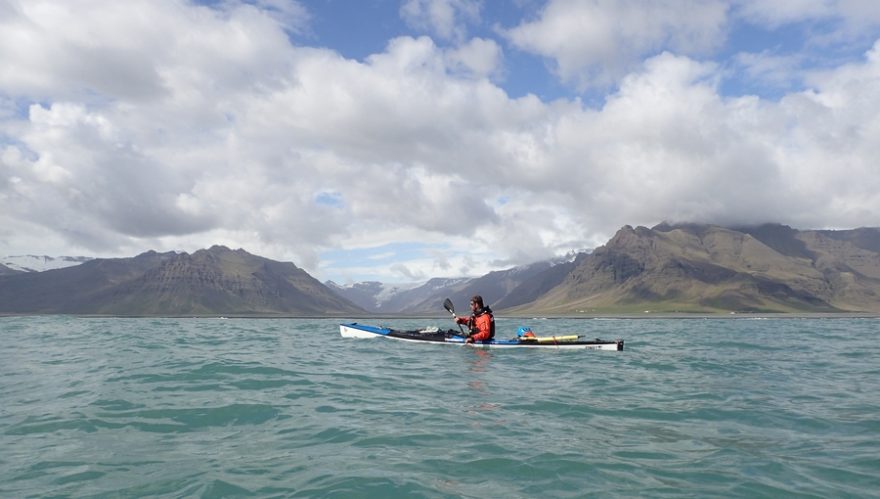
(704, 268)
(215, 281)
(683, 268)
(506, 288)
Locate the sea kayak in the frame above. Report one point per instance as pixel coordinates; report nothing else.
(453, 337)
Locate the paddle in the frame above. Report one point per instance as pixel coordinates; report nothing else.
(447, 304)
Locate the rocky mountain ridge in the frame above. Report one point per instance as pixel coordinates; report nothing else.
(208, 282)
(706, 268)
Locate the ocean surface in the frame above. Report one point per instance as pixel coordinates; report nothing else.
(95, 407)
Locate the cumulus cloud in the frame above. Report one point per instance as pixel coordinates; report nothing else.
(446, 19)
(771, 70)
(596, 42)
(781, 12)
(231, 134)
(290, 14)
(479, 57)
(408, 274)
(828, 26)
(851, 13)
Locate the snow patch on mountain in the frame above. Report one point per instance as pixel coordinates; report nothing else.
(41, 263)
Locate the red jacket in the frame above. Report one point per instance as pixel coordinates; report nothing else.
(481, 324)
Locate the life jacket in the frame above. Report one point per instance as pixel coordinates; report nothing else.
(484, 311)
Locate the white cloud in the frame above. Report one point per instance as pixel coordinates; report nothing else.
(596, 42)
(770, 70)
(479, 57)
(678, 149)
(288, 13)
(779, 12)
(828, 27)
(407, 273)
(136, 51)
(446, 19)
(854, 14)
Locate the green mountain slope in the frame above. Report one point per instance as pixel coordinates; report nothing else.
(704, 268)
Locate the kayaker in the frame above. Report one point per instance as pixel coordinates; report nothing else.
(481, 322)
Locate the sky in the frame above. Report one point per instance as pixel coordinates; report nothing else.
(399, 140)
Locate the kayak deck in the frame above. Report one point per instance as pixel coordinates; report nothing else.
(451, 336)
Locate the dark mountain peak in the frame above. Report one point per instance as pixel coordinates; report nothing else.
(779, 237)
(644, 231)
(622, 235)
(867, 238)
(776, 226)
(146, 256)
(696, 229)
(214, 251)
(629, 239)
(782, 238)
(775, 229)
(221, 249)
(223, 255)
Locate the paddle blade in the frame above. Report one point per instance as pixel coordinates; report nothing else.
(447, 304)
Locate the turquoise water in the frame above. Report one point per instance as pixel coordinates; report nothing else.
(288, 408)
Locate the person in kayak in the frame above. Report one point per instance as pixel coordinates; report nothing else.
(481, 322)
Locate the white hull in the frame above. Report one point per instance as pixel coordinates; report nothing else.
(350, 332)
